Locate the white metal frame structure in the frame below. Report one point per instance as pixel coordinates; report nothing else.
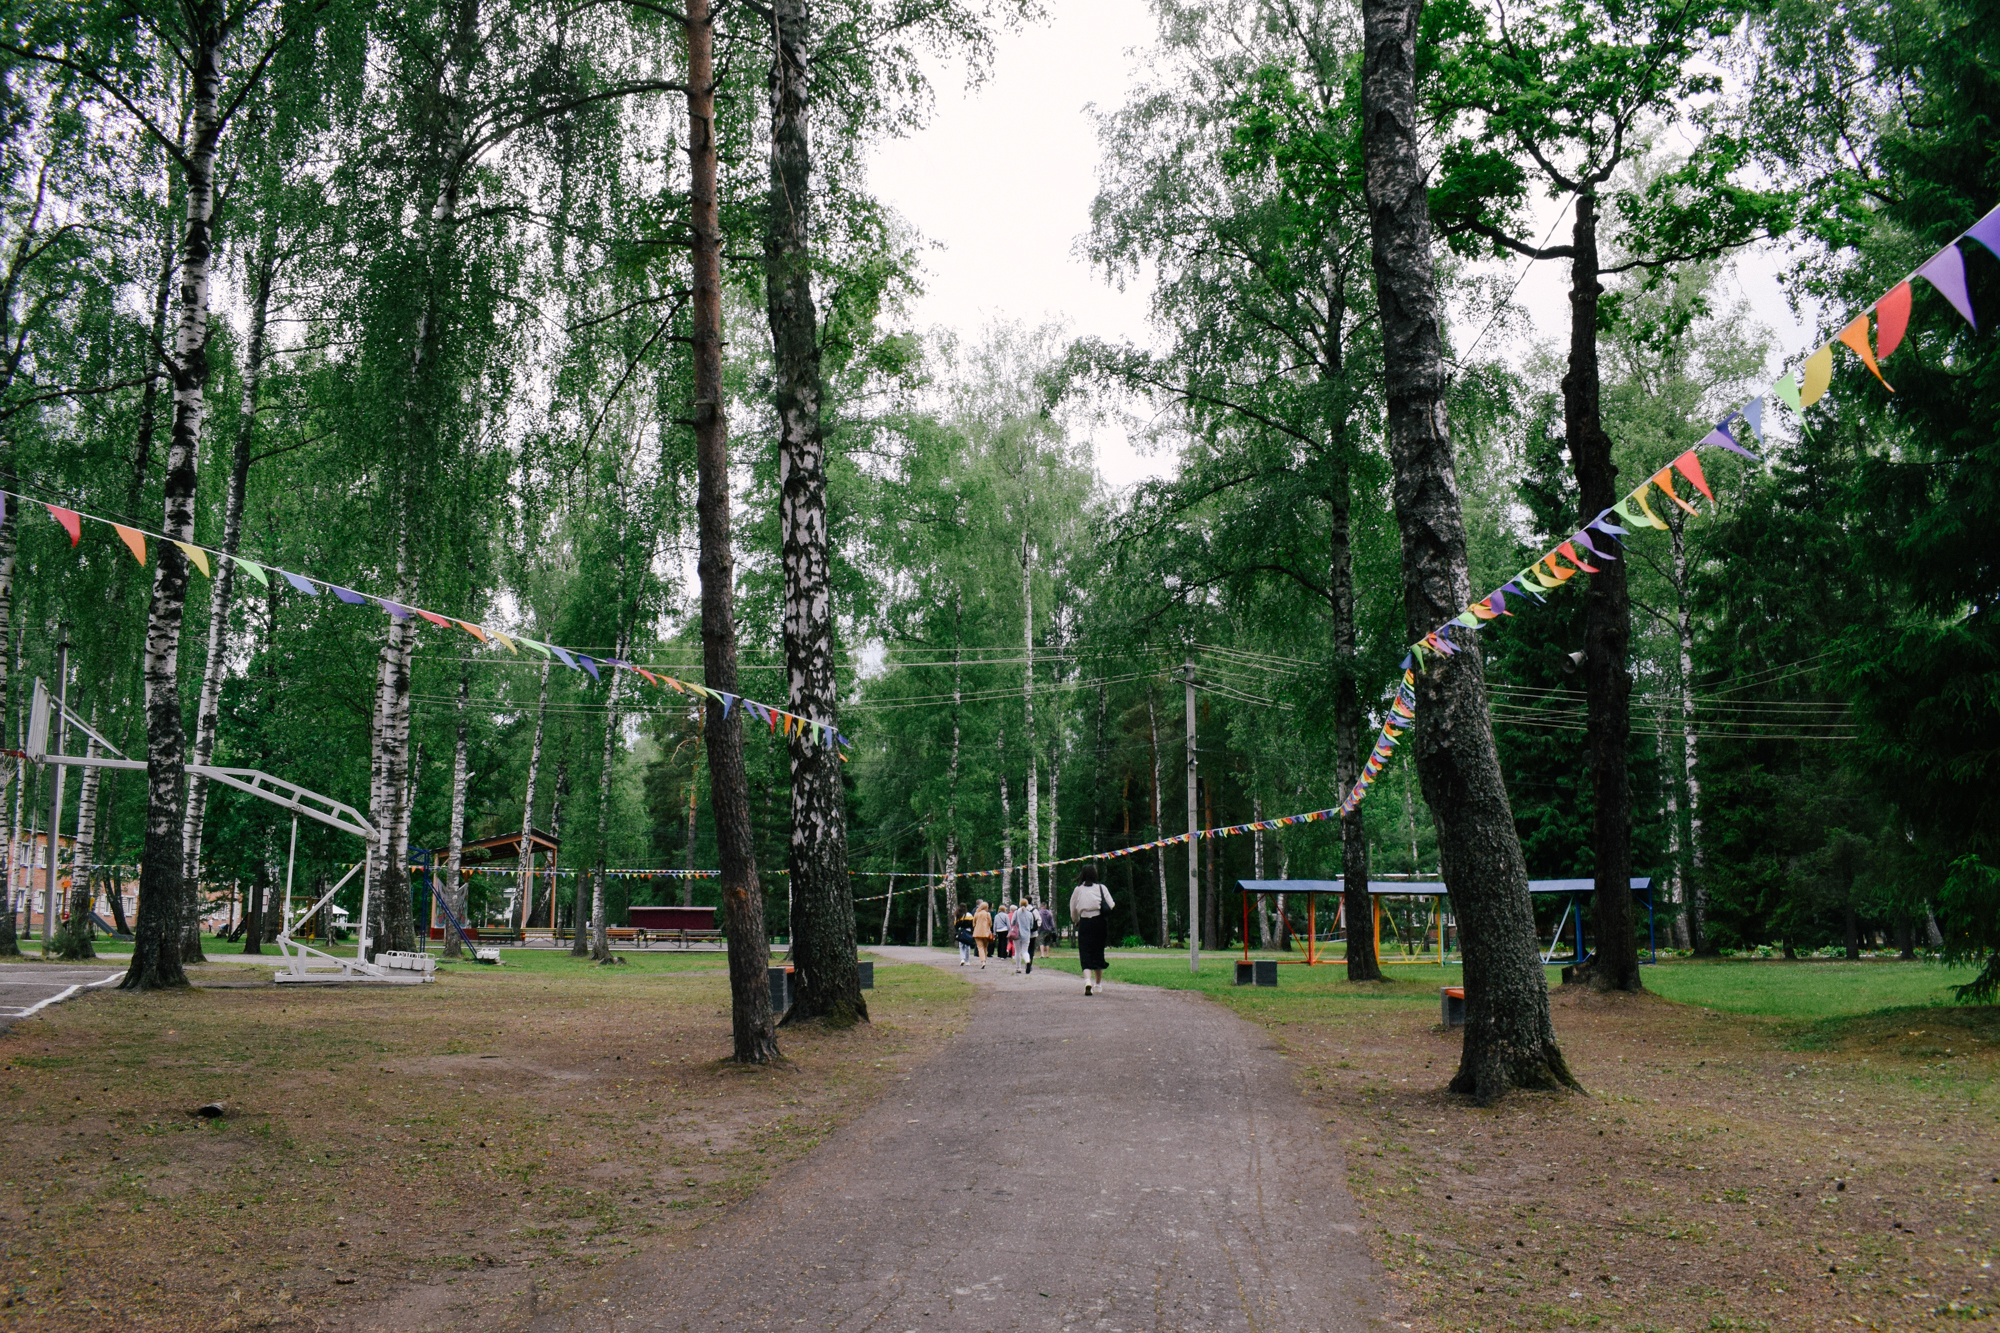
(303, 963)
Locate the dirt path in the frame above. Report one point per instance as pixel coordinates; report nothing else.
(1135, 1160)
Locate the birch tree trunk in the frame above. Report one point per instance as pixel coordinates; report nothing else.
(1509, 1039)
(752, 1028)
(1055, 782)
(527, 866)
(600, 942)
(1033, 887)
(164, 892)
(823, 944)
(1006, 823)
(1349, 723)
(209, 707)
(461, 774)
(74, 938)
(1607, 631)
(392, 928)
(951, 780)
(1695, 885)
(1159, 854)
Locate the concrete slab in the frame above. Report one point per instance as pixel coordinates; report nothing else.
(28, 988)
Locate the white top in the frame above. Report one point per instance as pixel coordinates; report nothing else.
(1026, 920)
(1090, 900)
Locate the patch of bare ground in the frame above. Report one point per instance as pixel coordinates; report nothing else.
(415, 1158)
(1723, 1172)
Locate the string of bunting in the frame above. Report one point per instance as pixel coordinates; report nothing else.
(514, 872)
(777, 719)
(1944, 271)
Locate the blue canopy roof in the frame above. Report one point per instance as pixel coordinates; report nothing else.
(1641, 884)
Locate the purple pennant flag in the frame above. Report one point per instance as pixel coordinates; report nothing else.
(567, 660)
(1946, 272)
(346, 595)
(728, 700)
(1583, 540)
(396, 611)
(1987, 232)
(1604, 525)
(590, 665)
(1496, 601)
(306, 586)
(1720, 436)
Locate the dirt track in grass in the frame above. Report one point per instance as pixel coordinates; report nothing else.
(1724, 1172)
(408, 1158)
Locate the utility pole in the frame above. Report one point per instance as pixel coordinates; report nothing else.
(57, 705)
(1193, 858)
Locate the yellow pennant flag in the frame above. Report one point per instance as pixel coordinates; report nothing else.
(505, 642)
(199, 556)
(1819, 374)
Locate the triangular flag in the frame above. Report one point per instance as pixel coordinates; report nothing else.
(71, 522)
(1892, 316)
(135, 541)
(1483, 610)
(590, 665)
(1721, 437)
(474, 630)
(1818, 374)
(250, 567)
(1753, 411)
(306, 586)
(397, 611)
(1855, 335)
(1569, 552)
(199, 556)
(1646, 514)
(1583, 539)
(1468, 619)
(563, 657)
(505, 642)
(434, 618)
(541, 648)
(347, 595)
(1945, 271)
(1987, 232)
(1787, 389)
(1688, 467)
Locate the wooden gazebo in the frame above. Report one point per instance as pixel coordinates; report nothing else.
(505, 850)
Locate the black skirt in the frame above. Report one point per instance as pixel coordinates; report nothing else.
(1091, 932)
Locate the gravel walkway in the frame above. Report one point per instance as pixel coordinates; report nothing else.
(1135, 1160)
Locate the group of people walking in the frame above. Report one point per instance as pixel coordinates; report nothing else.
(1020, 931)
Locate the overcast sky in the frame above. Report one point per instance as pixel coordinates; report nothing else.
(999, 184)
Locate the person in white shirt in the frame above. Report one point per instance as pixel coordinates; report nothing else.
(1090, 905)
(1026, 923)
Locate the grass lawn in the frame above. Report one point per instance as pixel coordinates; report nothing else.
(410, 1157)
(1763, 1145)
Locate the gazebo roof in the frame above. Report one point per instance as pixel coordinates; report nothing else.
(507, 846)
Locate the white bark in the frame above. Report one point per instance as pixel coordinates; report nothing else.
(1696, 888)
(1257, 872)
(527, 869)
(1006, 825)
(600, 943)
(461, 775)
(1033, 888)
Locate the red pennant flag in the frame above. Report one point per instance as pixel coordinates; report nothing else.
(1690, 467)
(434, 618)
(1892, 316)
(71, 522)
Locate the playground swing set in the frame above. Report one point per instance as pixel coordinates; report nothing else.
(1437, 920)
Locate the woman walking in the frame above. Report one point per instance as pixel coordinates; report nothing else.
(1003, 930)
(962, 931)
(1090, 905)
(1026, 923)
(982, 930)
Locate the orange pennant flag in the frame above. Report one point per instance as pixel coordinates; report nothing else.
(1855, 335)
(1688, 466)
(1664, 479)
(473, 630)
(1561, 572)
(135, 540)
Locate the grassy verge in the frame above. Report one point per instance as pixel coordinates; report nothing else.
(448, 1154)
